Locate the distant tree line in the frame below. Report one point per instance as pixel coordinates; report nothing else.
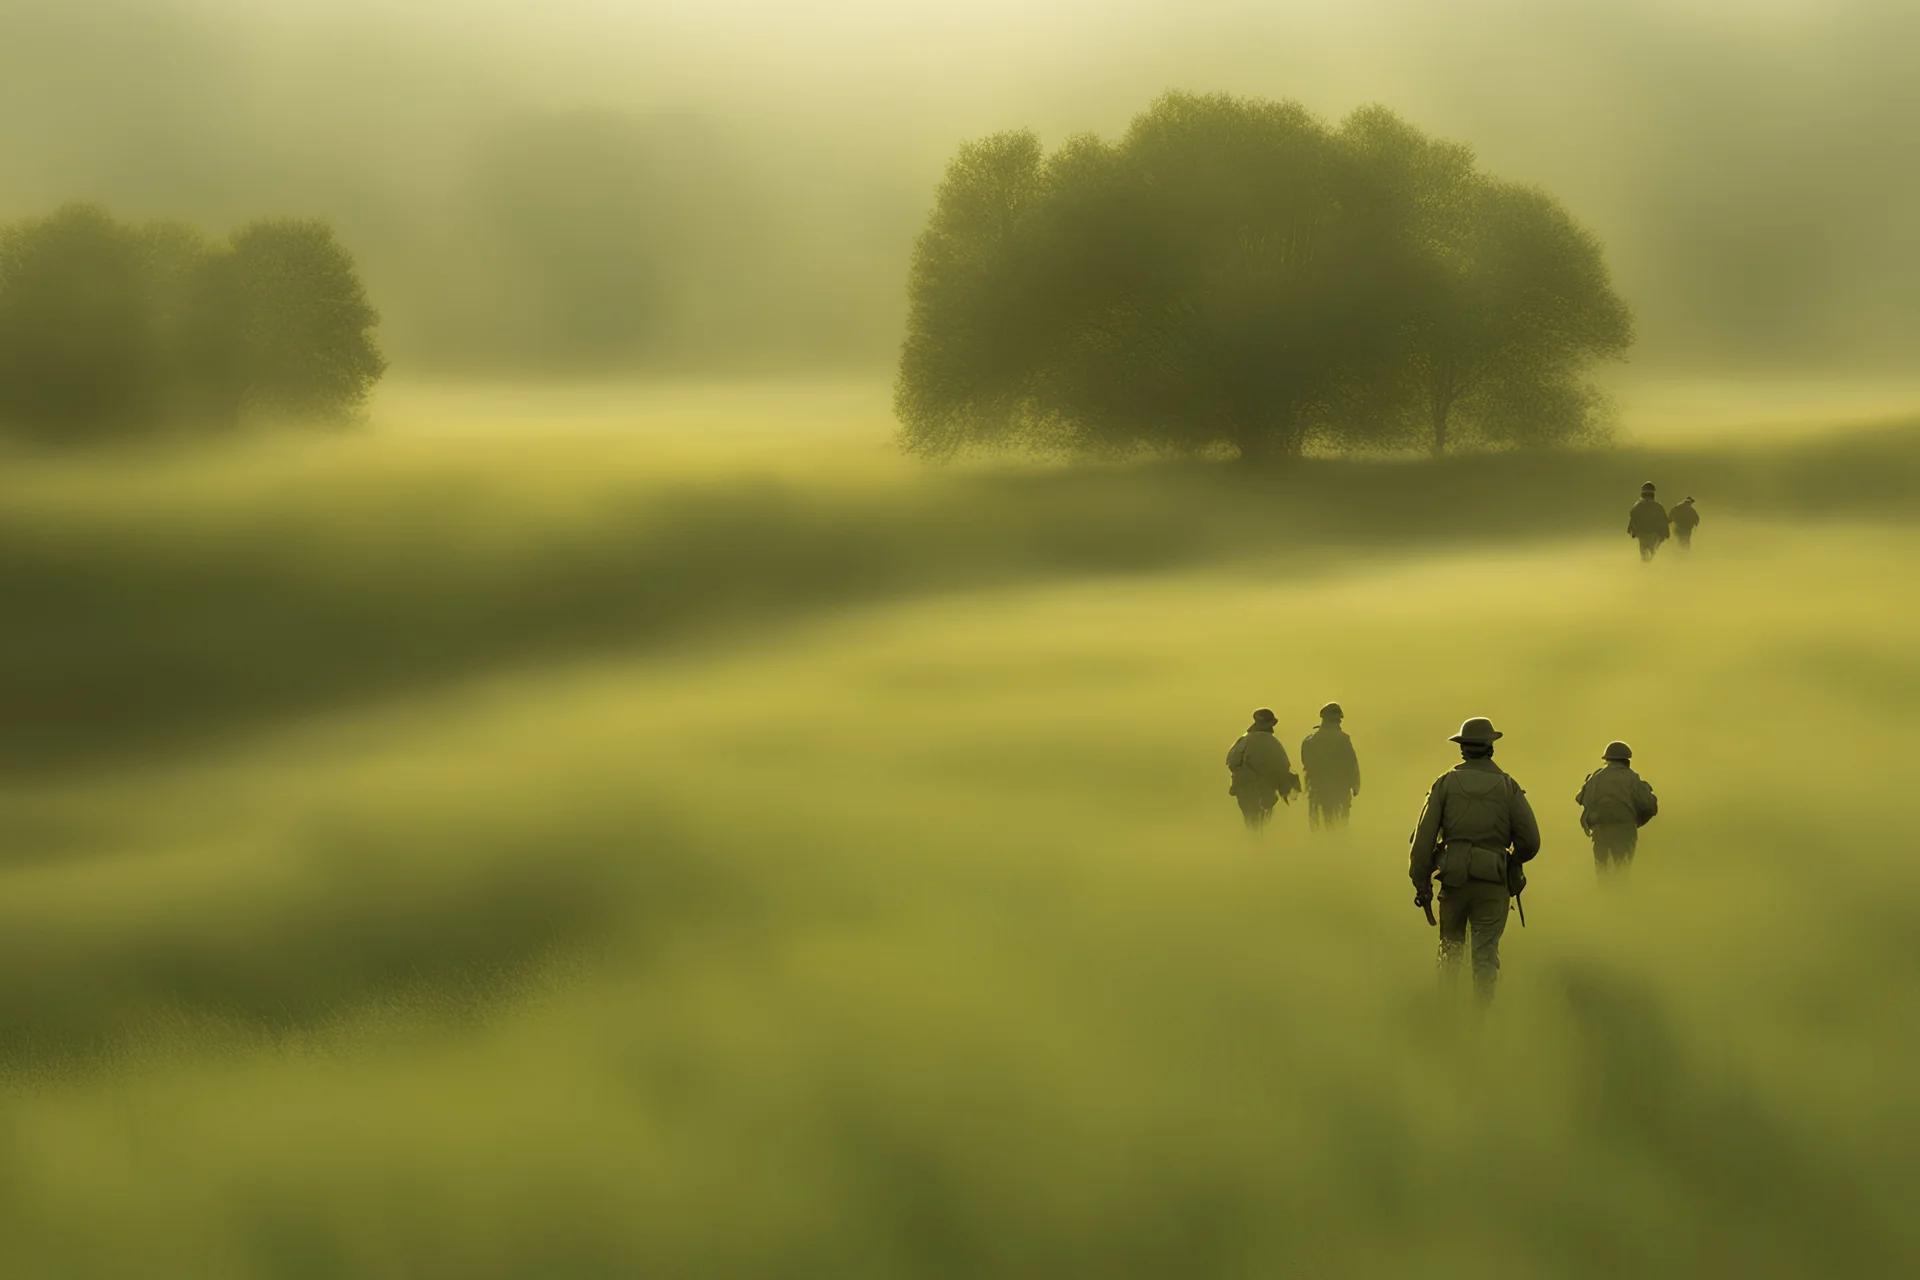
(109, 328)
(1233, 274)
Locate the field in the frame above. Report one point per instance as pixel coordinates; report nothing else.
(659, 849)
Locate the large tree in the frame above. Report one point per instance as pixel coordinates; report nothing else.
(107, 328)
(1212, 279)
(1233, 274)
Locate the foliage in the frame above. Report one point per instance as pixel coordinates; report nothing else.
(1512, 305)
(302, 325)
(1233, 273)
(79, 333)
(108, 329)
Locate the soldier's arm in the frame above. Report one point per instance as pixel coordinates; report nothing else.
(1353, 758)
(1237, 754)
(1286, 779)
(1526, 828)
(1646, 802)
(1426, 835)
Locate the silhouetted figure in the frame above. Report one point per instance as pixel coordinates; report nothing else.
(1684, 520)
(1647, 522)
(1262, 774)
(1474, 833)
(1615, 802)
(1332, 770)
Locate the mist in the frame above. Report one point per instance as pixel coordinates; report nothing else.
(735, 187)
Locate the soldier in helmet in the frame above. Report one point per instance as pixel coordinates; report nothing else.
(1647, 522)
(1474, 833)
(1685, 520)
(1262, 774)
(1615, 802)
(1332, 769)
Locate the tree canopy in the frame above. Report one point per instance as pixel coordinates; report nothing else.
(1235, 274)
(108, 328)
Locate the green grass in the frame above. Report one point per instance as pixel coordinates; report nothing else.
(601, 873)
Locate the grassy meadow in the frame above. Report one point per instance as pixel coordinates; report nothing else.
(638, 848)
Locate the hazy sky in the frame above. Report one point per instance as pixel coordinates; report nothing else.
(1749, 164)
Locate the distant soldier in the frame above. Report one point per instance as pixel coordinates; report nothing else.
(1647, 522)
(1332, 769)
(1615, 802)
(1262, 774)
(1474, 834)
(1685, 520)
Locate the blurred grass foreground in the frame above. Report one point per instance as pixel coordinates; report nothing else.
(514, 856)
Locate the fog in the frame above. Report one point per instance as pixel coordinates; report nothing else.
(734, 187)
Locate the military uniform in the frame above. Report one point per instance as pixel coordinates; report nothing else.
(1475, 832)
(1684, 520)
(1615, 802)
(1332, 769)
(1648, 522)
(1262, 774)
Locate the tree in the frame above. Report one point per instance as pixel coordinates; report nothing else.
(1213, 279)
(80, 352)
(1511, 304)
(292, 326)
(964, 370)
(1232, 274)
(109, 329)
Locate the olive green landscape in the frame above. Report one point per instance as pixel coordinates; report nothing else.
(430, 853)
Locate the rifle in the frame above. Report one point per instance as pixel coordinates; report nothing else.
(1520, 902)
(1428, 908)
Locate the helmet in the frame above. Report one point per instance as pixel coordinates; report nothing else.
(1264, 716)
(1331, 711)
(1617, 751)
(1647, 488)
(1478, 730)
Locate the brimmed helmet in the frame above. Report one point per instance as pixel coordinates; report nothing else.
(1478, 731)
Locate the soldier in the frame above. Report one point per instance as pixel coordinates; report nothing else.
(1647, 522)
(1475, 832)
(1262, 774)
(1332, 769)
(1685, 520)
(1615, 802)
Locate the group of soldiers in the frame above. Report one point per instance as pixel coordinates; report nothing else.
(1263, 776)
(1652, 524)
(1476, 831)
